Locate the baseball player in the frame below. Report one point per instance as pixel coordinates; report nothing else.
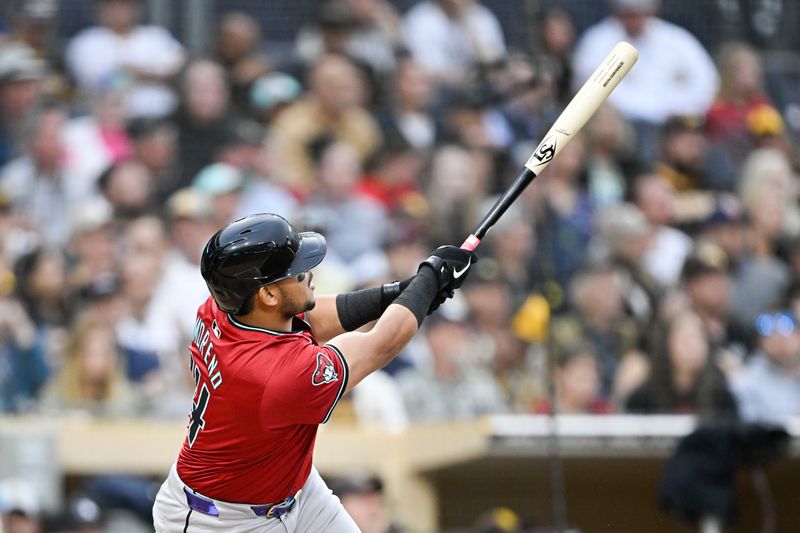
(270, 361)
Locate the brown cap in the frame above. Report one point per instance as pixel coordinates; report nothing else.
(705, 258)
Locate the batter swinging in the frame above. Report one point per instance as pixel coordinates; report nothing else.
(270, 362)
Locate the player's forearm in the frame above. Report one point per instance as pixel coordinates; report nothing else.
(373, 350)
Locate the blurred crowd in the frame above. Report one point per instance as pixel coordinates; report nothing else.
(653, 268)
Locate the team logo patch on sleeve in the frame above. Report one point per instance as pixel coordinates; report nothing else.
(325, 371)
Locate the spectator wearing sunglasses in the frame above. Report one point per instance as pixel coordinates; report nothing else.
(768, 389)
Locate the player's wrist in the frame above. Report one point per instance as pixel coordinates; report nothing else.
(420, 293)
(358, 308)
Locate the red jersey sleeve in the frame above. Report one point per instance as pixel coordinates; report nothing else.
(306, 387)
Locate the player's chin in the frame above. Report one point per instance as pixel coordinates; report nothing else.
(310, 304)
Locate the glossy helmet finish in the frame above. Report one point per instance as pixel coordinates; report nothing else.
(254, 251)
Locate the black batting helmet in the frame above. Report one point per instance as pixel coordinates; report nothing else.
(254, 251)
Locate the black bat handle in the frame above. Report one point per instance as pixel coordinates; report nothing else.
(525, 177)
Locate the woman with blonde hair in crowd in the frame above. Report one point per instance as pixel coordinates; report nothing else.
(92, 378)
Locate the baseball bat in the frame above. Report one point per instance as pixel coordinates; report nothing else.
(579, 110)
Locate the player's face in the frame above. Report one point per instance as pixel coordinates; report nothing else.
(297, 294)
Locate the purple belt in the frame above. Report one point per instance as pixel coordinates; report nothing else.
(270, 510)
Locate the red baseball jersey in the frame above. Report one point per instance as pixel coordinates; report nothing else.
(259, 398)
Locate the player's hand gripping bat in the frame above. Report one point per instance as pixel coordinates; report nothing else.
(580, 109)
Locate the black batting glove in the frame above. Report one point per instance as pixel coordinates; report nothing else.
(460, 262)
(451, 264)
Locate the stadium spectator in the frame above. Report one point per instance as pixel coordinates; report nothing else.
(597, 318)
(92, 248)
(364, 499)
(144, 57)
(453, 383)
(41, 192)
(768, 389)
(181, 288)
(683, 378)
(564, 214)
(203, 118)
(610, 162)
(707, 283)
(626, 236)
(155, 145)
(576, 380)
(369, 31)
(557, 36)
(92, 377)
(655, 198)
(23, 367)
(21, 75)
(448, 37)
(688, 161)
(408, 113)
(332, 107)
(128, 188)
(222, 183)
(99, 139)
(239, 43)
(741, 91)
(674, 74)
(342, 208)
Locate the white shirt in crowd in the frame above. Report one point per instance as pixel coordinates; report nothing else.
(664, 260)
(97, 54)
(673, 76)
(442, 44)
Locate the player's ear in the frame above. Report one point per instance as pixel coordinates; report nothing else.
(267, 295)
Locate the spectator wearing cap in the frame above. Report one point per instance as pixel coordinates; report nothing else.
(363, 497)
(332, 107)
(448, 37)
(768, 389)
(655, 197)
(42, 193)
(181, 287)
(145, 57)
(674, 74)
(683, 379)
(223, 184)
(688, 161)
(368, 31)
(239, 42)
(725, 224)
(263, 192)
(708, 285)
(272, 93)
(597, 317)
(21, 75)
(625, 236)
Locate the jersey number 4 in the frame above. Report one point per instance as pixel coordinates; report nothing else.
(199, 406)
